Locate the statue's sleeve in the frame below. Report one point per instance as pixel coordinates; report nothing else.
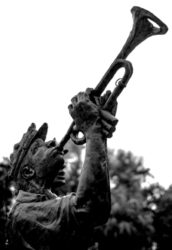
(47, 223)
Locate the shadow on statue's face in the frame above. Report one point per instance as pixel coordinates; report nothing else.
(46, 161)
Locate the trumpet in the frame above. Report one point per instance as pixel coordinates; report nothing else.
(143, 27)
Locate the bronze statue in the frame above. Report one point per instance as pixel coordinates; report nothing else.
(41, 220)
(143, 27)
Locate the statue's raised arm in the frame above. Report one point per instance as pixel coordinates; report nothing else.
(93, 192)
(41, 220)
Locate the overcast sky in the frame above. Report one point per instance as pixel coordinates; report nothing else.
(51, 50)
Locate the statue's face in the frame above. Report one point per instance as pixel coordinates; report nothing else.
(46, 160)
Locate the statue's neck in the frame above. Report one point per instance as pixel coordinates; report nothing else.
(35, 187)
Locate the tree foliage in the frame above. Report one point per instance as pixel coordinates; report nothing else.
(5, 200)
(131, 221)
(163, 221)
(141, 216)
(130, 225)
(136, 211)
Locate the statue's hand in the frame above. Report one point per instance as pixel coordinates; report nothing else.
(108, 123)
(108, 119)
(84, 111)
(88, 113)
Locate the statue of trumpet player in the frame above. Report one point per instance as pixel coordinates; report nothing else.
(41, 220)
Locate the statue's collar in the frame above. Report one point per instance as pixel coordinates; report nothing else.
(23, 196)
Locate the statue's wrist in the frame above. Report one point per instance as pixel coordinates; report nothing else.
(94, 131)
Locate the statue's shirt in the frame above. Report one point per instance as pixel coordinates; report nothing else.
(46, 222)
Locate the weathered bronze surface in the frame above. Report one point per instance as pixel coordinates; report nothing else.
(41, 220)
(143, 27)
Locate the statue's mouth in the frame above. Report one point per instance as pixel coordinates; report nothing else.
(61, 174)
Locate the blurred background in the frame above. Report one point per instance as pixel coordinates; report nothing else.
(51, 50)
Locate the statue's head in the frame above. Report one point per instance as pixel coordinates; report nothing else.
(35, 162)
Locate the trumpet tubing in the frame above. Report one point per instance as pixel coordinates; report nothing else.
(142, 29)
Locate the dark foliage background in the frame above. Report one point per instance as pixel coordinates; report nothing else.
(141, 215)
(6, 196)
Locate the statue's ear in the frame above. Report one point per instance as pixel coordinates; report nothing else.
(27, 172)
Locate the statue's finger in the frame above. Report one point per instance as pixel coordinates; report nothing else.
(89, 91)
(104, 98)
(106, 133)
(106, 95)
(106, 115)
(96, 100)
(70, 107)
(74, 99)
(106, 125)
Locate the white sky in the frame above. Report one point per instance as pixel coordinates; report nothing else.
(51, 50)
